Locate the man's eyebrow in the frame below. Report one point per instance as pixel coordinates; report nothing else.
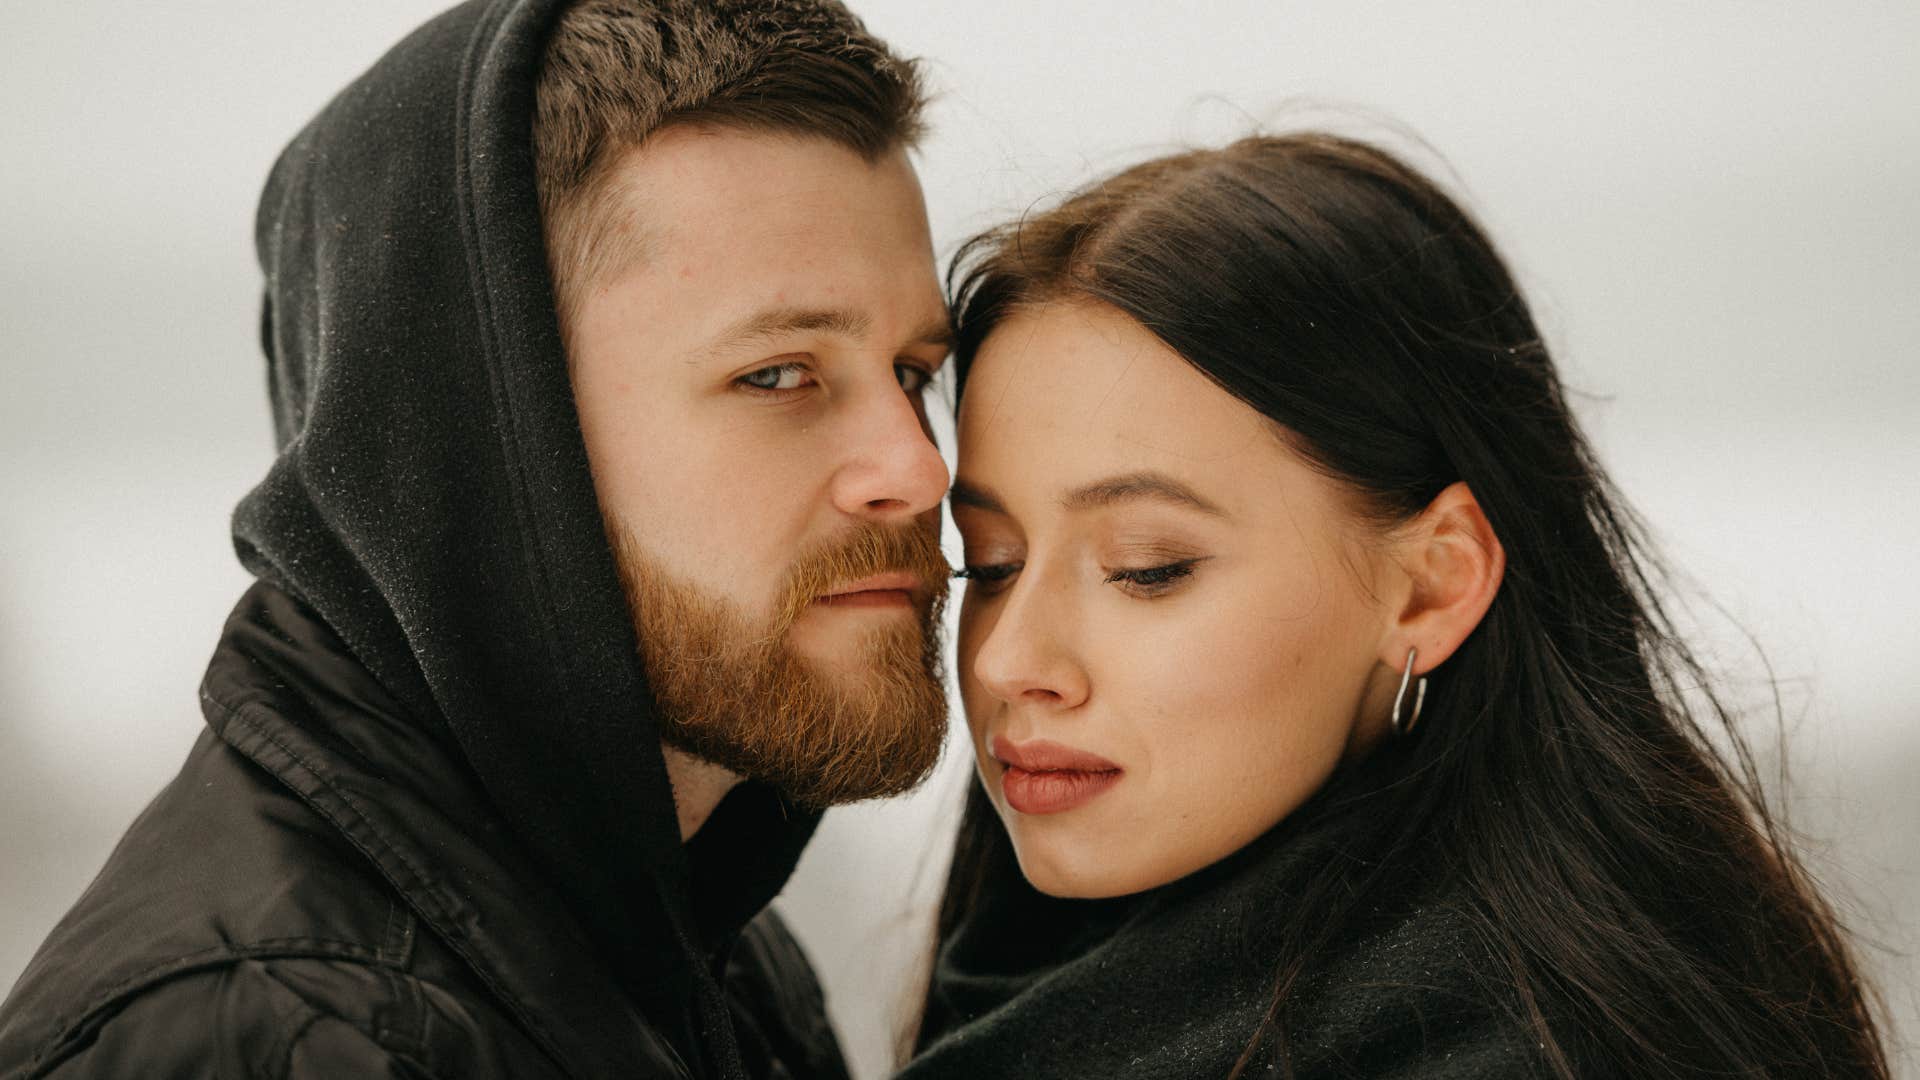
(1113, 489)
(1138, 485)
(774, 322)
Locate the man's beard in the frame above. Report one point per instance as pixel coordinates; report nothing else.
(732, 691)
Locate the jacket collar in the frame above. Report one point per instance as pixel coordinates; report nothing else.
(284, 691)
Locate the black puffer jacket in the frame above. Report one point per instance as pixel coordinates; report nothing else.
(430, 830)
(322, 892)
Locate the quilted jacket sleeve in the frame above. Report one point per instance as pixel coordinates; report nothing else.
(290, 1020)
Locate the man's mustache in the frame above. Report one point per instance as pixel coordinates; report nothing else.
(868, 550)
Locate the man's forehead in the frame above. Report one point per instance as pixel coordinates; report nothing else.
(741, 238)
(707, 172)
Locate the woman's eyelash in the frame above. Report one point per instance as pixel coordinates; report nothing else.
(1149, 577)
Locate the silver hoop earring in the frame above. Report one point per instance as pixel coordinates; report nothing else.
(1419, 697)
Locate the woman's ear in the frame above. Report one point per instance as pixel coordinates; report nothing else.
(1454, 564)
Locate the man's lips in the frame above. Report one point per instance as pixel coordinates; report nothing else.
(1042, 777)
(879, 590)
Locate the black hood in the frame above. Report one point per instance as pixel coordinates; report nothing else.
(431, 499)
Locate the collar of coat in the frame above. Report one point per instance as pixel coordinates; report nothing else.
(1176, 982)
(283, 692)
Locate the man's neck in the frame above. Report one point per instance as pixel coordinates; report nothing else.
(698, 787)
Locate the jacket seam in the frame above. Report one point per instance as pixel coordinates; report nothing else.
(410, 1007)
(284, 1055)
(187, 963)
(396, 939)
(409, 1050)
(385, 846)
(445, 923)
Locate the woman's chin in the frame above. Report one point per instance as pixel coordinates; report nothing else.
(1083, 871)
(1071, 886)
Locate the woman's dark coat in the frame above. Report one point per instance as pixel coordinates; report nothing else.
(1174, 983)
(428, 831)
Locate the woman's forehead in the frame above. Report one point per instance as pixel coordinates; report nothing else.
(1057, 387)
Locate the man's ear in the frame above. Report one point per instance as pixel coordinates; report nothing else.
(1454, 564)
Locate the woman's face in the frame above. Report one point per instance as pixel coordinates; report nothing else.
(1168, 639)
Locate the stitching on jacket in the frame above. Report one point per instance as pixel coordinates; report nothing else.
(187, 963)
(399, 991)
(334, 818)
(415, 1065)
(284, 1052)
(396, 940)
(403, 1022)
(446, 922)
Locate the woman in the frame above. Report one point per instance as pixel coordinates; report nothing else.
(1326, 718)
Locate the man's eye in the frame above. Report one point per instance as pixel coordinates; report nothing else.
(790, 376)
(913, 378)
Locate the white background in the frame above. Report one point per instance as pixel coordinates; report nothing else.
(1714, 207)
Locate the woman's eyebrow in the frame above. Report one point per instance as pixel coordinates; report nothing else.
(1125, 487)
(1138, 485)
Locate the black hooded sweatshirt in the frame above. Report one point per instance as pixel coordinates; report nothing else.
(429, 830)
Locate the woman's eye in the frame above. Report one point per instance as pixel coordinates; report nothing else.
(913, 378)
(791, 376)
(988, 578)
(1152, 580)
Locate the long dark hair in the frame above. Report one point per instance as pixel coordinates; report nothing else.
(1596, 804)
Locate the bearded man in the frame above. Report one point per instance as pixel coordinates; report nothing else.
(599, 555)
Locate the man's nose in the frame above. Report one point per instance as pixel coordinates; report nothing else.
(892, 471)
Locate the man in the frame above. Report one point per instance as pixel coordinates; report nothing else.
(598, 556)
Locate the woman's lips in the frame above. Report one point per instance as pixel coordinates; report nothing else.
(1042, 777)
(1054, 791)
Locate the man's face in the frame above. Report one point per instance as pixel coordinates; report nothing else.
(749, 390)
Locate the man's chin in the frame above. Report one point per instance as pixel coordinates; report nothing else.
(830, 703)
(847, 643)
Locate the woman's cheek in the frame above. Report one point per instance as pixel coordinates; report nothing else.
(1228, 728)
(970, 630)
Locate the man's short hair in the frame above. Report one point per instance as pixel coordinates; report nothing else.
(617, 71)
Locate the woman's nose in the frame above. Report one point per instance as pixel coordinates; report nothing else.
(1026, 656)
